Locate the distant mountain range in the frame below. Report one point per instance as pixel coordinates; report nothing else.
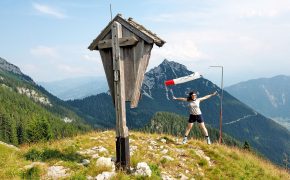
(76, 88)
(269, 96)
(240, 121)
(28, 113)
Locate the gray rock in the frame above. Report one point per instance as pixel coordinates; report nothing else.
(143, 169)
(107, 162)
(34, 164)
(100, 149)
(85, 162)
(164, 151)
(167, 158)
(105, 176)
(132, 150)
(56, 172)
(166, 176)
(201, 154)
(89, 178)
(163, 140)
(182, 177)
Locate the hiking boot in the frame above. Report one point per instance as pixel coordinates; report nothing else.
(184, 141)
(208, 140)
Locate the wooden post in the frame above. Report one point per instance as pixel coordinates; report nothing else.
(122, 135)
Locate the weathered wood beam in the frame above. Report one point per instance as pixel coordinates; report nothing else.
(125, 41)
(119, 81)
(135, 30)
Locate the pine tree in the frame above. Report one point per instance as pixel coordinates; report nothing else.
(247, 146)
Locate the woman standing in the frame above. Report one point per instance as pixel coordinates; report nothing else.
(195, 113)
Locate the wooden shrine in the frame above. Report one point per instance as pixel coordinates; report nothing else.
(125, 48)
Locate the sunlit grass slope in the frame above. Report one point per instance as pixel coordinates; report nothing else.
(163, 153)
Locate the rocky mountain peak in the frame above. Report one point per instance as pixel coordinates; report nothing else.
(170, 67)
(10, 68)
(166, 70)
(6, 66)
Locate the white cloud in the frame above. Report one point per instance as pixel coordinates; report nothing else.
(45, 9)
(259, 8)
(91, 57)
(179, 46)
(71, 69)
(259, 13)
(45, 52)
(179, 17)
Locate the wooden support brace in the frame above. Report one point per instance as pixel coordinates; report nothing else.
(125, 41)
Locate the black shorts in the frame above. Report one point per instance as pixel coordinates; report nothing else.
(193, 118)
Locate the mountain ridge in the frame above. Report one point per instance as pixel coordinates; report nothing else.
(269, 96)
(28, 113)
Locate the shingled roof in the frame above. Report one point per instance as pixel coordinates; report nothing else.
(131, 25)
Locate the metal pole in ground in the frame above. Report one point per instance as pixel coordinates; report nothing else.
(221, 100)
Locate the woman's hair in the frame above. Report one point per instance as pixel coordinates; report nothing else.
(189, 98)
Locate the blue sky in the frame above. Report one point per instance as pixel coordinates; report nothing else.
(48, 40)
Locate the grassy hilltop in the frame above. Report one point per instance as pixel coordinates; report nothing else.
(164, 154)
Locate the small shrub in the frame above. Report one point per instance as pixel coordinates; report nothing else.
(156, 174)
(50, 154)
(32, 173)
(163, 161)
(202, 162)
(33, 155)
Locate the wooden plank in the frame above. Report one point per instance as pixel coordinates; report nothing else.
(138, 54)
(125, 41)
(129, 65)
(104, 33)
(142, 66)
(158, 41)
(94, 44)
(106, 56)
(119, 86)
(107, 60)
(135, 30)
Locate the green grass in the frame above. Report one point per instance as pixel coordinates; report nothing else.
(228, 162)
(51, 154)
(11, 163)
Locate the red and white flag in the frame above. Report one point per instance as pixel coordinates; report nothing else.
(184, 79)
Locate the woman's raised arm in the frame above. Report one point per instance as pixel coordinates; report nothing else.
(179, 99)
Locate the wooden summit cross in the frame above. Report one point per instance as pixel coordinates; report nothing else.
(125, 48)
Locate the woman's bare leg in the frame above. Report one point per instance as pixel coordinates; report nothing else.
(188, 128)
(203, 128)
